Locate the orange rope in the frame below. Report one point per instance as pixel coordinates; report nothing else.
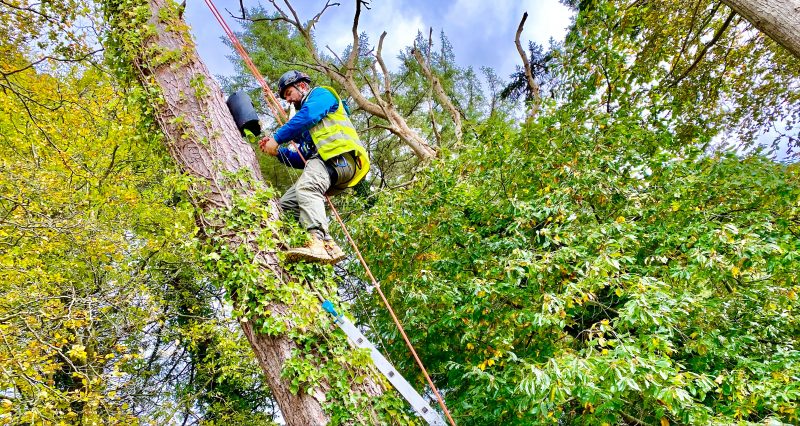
(275, 105)
(272, 102)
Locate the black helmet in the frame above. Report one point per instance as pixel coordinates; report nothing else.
(289, 78)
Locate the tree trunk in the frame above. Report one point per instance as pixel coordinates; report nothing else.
(204, 141)
(778, 19)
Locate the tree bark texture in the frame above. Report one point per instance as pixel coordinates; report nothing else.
(203, 139)
(778, 19)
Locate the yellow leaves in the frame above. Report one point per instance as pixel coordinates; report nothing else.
(74, 323)
(430, 255)
(675, 206)
(664, 421)
(470, 346)
(77, 353)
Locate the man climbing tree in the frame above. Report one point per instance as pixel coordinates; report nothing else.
(333, 155)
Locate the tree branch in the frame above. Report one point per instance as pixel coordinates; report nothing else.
(532, 86)
(44, 58)
(316, 17)
(387, 80)
(438, 91)
(351, 60)
(707, 46)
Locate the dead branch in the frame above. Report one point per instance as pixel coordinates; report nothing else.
(387, 80)
(438, 91)
(52, 58)
(532, 86)
(316, 17)
(351, 60)
(381, 106)
(436, 133)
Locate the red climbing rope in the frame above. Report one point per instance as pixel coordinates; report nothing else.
(280, 116)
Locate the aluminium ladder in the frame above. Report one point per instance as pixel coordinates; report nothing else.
(358, 340)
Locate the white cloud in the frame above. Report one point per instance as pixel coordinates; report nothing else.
(481, 32)
(400, 25)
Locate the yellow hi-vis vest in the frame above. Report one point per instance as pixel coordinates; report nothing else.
(335, 135)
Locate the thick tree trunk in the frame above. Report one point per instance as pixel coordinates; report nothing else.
(778, 19)
(205, 142)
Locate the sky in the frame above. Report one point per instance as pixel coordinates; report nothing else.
(481, 31)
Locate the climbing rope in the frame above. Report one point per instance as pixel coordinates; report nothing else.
(272, 102)
(280, 117)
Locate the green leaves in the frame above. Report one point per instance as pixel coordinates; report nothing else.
(550, 272)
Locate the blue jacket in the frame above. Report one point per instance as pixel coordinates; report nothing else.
(319, 103)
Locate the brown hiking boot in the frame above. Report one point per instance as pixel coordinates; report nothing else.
(334, 251)
(314, 251)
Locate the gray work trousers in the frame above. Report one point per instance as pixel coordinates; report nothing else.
(306, 198)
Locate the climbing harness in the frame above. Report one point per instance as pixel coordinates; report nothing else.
(355, 336)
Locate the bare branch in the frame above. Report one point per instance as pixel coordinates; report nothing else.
(532, 86)
(375, 91)
(283, 16)
(335, 55)
(244, 13)
(297, 18)
(387, 80)
(438, 91)
(316, 17)
(351, 60)
(44, 58)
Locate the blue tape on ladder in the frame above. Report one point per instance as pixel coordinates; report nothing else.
(328, 307)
